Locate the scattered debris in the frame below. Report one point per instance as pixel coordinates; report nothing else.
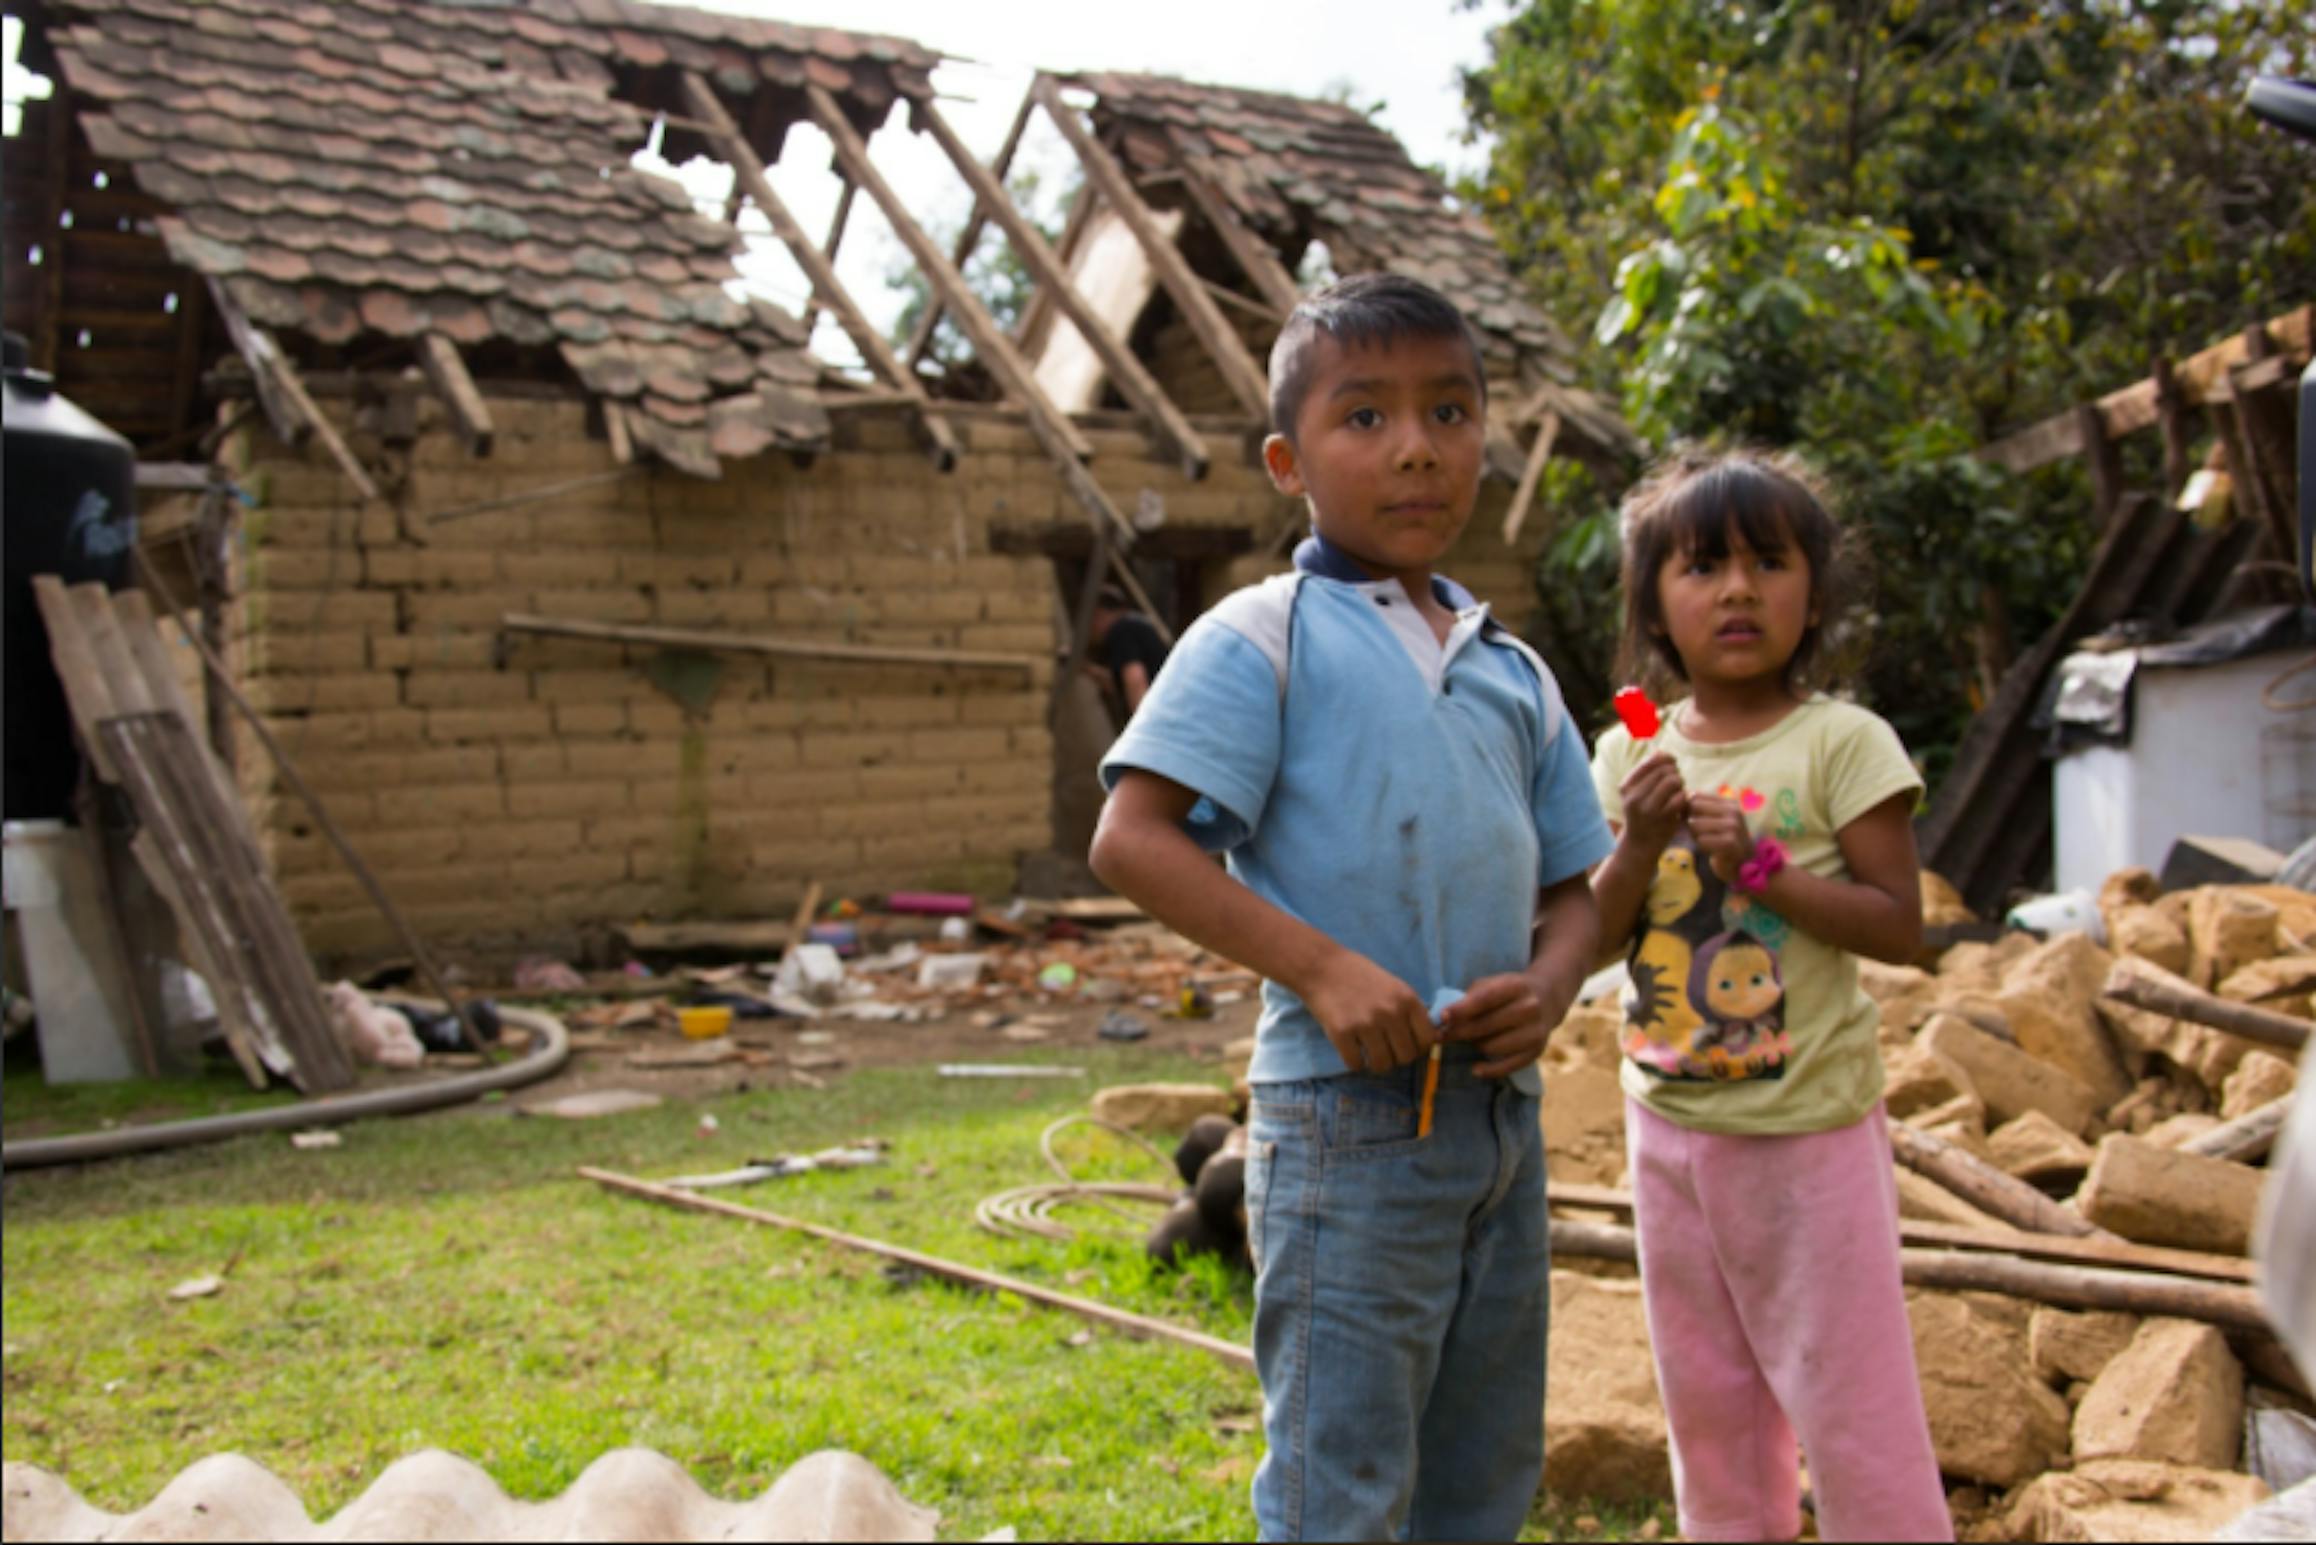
(1006, 1070)
(197, 1287)
(1118, 1025)
(326, 1138)
(371, 1032)
(857, 1155)
(595, 1102)
(544, 974)
(945, 971)
(704, 1023)
(688, 1057)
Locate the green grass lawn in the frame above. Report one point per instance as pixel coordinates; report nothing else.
(448, 1282)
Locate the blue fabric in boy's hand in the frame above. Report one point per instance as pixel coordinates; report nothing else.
(1443, 1000)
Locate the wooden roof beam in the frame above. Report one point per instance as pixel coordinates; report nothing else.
(1220, 340)
(940, 438)
(283, 395)
(994, 349)
(970, 237)
(1516, 513)
(836, 224)
(447, 374)
(1133, 381)
(1253, 255)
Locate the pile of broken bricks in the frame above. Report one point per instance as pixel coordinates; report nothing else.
(2134, 1128)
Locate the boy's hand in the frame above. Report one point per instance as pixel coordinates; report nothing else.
(1722, 836)
(1374, 1020)
(1511, 1017)
(1654, 801)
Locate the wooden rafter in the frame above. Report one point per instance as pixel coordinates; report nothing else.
(615, 430)
(1133, 381)
(2200, 378)
(1516, 513)
(283, 394)
(1253, 255)
(990, 345)
(447, 374)
(970, 237)
(836, 224)
(830, 290)
(1036, 323)
(1220, 340)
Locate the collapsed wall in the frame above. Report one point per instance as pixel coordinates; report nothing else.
(516, 792)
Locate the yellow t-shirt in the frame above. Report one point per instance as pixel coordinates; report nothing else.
(1735, 1020)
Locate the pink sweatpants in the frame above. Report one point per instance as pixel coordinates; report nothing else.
(1769, 1266)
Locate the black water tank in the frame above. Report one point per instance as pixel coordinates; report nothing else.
(71, 510)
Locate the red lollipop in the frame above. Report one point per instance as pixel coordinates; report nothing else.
(1638, 713)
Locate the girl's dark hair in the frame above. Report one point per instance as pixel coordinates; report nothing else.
(1695, 503)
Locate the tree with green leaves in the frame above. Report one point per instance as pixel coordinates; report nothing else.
(1881, 232)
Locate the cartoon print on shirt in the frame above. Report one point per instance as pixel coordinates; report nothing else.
(1707, 998)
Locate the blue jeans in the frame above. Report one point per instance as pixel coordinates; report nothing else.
(1402, 1291)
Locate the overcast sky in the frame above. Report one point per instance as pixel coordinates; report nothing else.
(1405, 56)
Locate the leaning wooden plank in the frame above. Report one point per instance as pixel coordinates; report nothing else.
(447, 373)
(124, 676)
(1253, 255)
(1985, 1187)
(1516, 513)
(831, 291)
(226, 992)
(737, 643)
(1142, 1327)
(220, 679)
(836, 225)
(86, 692)
(921, 338)
(615, 431)
(2047, 1282)
(324, 431)
(143, 636)
(2050, 1247)
(2145, 985)
(990, 345)
(1134, 383)
(1220, 340)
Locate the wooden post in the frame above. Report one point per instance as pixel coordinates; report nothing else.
(989, 341)
(446, 372)
(1985, 1187)
(2145, 985)
(970, 237)
(831, 292)
(2105, 459)
(2247, 1139)
(2171, 420)
(615, 430)
(1221, 341)
(836, 225)
(1134, 382)
(212, 575)
(291, 425)
(1547, 430)
(1253, 255)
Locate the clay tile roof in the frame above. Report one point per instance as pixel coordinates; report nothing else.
(1295, 169)
(397, 167)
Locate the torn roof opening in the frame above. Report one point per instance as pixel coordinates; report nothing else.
(378, 179)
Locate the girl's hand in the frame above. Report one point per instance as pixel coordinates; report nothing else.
(1654, 801)
(1722, 836)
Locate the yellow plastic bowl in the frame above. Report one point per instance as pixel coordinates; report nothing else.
(705, 1024)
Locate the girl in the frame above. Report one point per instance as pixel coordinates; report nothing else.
(1764, 843)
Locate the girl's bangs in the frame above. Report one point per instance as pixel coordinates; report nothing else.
(1701, 514)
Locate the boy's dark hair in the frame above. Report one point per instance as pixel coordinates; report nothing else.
(1696, 503)
(1113, 598)
(1355, 312)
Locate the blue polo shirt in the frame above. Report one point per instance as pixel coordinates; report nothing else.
(1406, 798)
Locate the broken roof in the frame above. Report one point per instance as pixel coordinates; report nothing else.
(460, 167)
(1295, 169)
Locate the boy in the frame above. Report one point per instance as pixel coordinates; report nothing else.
(1408, 817)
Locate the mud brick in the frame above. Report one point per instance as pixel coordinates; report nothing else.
(596, 684)
(1011, 774)
(627, 830)
(493, 531)
(443, 648)
(347, 934)
(912, 847)
(465, 689)
(655, 718)
(281, 651)
(336, 692)
(544, 801)
(388, 566)
(794, 712)
(1002, 708)
(617, 605)
(588, 719)
(833, 748)
(545, 761)
(339, 610)
(882, 713)
(620, 759)
(581, 870)
(959, 745)
(397, 727)
(443, 568)
(914, 780)
(808, 787)
(1008, 638)
(303, 527)
(769, 826)
(475, 610)
(461, 726)
(399, 807)
(560, 570)
(519, 838)
(689, 607)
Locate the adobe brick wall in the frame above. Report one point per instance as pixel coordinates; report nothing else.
(516, 802)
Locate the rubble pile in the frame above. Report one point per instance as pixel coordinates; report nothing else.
(2050, 1423)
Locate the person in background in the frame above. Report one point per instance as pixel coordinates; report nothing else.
(1127, 652)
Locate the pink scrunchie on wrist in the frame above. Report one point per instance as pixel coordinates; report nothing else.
(1754, 875)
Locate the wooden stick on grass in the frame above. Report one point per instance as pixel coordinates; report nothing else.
(1137, 1325)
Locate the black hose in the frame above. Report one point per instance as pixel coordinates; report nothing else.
(551, 1049)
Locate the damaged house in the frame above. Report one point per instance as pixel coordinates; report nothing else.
(576, 584)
